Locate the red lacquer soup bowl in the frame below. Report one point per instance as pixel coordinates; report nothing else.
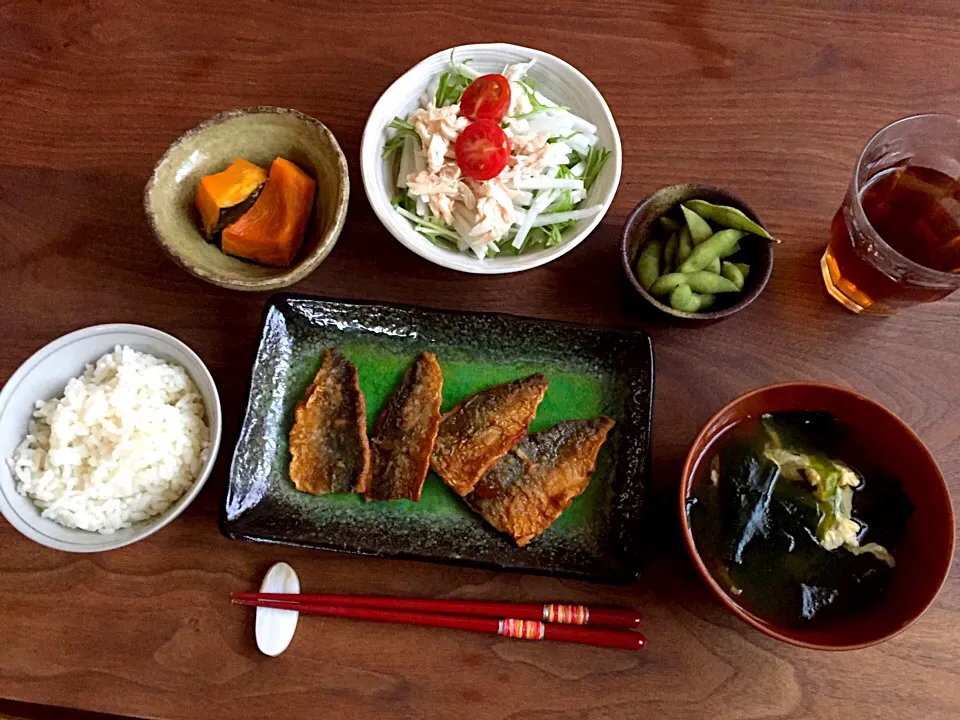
(923, 561)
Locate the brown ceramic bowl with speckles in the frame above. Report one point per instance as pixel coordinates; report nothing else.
(923, 561)
(260, 135)
(642, 225)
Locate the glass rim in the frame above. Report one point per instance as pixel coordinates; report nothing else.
(927, 273)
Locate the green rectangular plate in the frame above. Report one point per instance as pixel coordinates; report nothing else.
(592, 371)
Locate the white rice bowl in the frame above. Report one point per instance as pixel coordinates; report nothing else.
(125, 441)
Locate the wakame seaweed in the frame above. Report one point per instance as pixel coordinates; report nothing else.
(760, 526)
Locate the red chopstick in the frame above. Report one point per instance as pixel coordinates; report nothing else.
(509, 627)
(552, 613)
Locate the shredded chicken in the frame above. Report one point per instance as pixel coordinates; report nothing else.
(436, 152)
(482, 211)
(426, 183)
(486, 205)
(526, 143)
(538, 160)
(438, 129)
(438, 189)
(494, 212)
(467, 196)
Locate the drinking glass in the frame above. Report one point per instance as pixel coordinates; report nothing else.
(873, 274)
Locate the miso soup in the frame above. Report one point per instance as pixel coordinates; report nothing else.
(792, 518)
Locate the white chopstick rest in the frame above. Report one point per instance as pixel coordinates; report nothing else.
(275, 628)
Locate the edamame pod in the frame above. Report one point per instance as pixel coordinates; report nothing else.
(714, 266)
(703, 281)
(744, 269)
(699, 228)
(670, 254)
(732, 251)
(684, 245)
(666, 283)
(728, 216)
(710, 249)
(732, 273)
(669, 224)
(706, 301)
(648, 264)
(683, 299)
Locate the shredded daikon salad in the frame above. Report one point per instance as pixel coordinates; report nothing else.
(489, 165)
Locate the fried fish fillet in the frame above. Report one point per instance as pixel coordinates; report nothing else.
(328, 440)
(405, 433)
(525, 492)
(480, 430)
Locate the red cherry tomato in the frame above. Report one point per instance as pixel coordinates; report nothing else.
(486, 98)
(482, 150)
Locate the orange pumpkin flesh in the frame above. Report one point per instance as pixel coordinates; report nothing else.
(271, 232)
(220, 192)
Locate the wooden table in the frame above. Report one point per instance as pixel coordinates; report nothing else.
(773, 100)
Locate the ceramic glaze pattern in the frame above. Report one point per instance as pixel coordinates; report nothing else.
(258, 134)
(592, 371)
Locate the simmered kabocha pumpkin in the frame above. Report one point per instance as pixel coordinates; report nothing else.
(225, 196)
(271, 232)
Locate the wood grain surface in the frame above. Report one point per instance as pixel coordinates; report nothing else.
(772, 100)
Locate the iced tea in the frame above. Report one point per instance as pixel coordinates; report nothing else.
(896, 239)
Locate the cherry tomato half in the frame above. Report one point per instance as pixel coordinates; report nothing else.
(482, 150)
(486, 98)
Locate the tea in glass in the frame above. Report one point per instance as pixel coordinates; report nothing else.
(895, 241)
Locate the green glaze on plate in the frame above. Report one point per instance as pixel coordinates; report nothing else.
(591, 371)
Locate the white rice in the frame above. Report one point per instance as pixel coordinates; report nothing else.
(125, 441)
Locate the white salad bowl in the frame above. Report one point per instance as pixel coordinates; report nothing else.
(558, 80)
(42, 377)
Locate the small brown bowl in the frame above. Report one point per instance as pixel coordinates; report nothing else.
(260, 135)
(642, 223)
(924, 560)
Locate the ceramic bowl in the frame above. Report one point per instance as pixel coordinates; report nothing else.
(43, 376)
(560, 81)
(924, 560)
(259, 135)
(642, 224)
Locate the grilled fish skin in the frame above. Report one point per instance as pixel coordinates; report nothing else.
(328, 440)
(405, 433)
(527, 490)
(480, 430)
